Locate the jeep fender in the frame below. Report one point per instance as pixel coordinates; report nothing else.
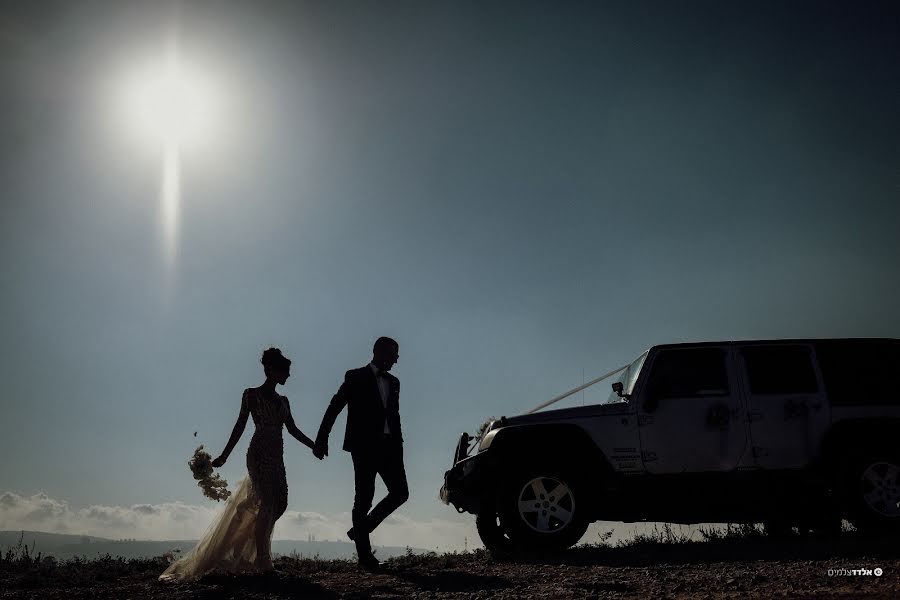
(852, 437)
(521, 445)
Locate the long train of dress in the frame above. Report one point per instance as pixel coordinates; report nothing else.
(229, 543)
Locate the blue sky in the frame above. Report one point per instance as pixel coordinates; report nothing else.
(518, 193)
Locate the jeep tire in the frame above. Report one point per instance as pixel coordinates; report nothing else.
(778, 529)
(871, 493)
(491, 531)
(543, 508)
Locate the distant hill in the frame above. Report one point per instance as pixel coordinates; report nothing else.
(64, 546)
(11, 538)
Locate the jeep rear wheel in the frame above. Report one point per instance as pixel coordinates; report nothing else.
(543, 509)
(778, 529)
(872, 494)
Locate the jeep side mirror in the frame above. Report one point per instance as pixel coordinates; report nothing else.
(618, 388)
(462, 447)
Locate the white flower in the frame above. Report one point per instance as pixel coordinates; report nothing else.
(214, 487)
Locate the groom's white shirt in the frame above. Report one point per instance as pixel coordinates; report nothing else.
(383, 390)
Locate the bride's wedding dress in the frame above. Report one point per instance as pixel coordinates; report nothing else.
(230, 542)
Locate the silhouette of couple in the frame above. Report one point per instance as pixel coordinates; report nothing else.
(240, 537)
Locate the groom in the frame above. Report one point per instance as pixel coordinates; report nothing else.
(373, 438)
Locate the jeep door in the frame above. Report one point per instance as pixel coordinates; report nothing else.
(690, 412)
(787, 410)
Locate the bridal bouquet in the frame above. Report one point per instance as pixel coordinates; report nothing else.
(214, 487)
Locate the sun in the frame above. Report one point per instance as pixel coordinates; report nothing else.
(171, 102)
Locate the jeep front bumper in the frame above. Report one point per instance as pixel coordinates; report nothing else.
(466, 483)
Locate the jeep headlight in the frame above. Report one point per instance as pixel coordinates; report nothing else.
(486, 440)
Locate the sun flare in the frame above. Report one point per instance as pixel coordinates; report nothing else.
(173, 106)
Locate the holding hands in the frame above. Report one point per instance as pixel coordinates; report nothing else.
(320, 449)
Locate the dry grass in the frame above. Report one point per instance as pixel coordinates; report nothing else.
(667, 560)
(29, 570)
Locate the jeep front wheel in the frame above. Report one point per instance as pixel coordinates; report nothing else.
(872, 494)
(543, 510)
(491, 531)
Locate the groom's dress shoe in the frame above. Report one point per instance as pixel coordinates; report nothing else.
(369, 563)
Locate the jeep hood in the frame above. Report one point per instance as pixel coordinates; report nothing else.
(565, 414)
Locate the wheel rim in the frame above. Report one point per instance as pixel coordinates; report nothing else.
(546, 504)
(880, 487)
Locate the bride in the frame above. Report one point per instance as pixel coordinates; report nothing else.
(240, 537)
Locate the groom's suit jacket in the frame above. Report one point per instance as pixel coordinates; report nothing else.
(366, 414)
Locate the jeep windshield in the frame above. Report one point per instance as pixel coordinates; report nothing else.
(628, 377)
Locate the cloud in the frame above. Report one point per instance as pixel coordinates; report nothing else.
(178, 521)
(309, 517)
(147, 509)
(397, 530)
(430, 534)
(170, 520)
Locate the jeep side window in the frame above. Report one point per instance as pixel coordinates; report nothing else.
(780, 370)
(859, 372)
(688, 373)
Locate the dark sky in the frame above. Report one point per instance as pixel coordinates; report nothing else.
(518, 192)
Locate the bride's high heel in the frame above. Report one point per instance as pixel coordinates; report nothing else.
(264, 564)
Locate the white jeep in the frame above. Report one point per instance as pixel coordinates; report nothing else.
(788, 433)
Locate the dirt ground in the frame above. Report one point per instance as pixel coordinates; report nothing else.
(759, 568)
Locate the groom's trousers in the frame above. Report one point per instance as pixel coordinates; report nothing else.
(385, 458)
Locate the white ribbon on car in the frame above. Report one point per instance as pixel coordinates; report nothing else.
(575, 390)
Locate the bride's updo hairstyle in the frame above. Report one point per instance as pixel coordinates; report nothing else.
(273, 359)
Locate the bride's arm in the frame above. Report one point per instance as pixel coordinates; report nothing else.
(292, 427)
(235, 433)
